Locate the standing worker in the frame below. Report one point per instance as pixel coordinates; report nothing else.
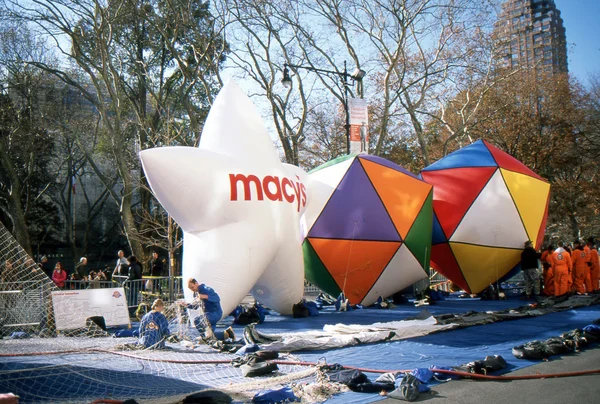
(529, 264)
(548, 273)
(594, 265)
(581, 268)
(562, 266)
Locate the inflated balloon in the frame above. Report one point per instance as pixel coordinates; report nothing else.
(369, 224)
(238, 205)
(486, 205)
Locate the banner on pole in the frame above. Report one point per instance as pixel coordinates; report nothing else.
(359, 125)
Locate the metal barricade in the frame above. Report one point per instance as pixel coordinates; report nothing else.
(23, 304)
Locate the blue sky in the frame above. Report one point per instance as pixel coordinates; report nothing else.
(582, 22)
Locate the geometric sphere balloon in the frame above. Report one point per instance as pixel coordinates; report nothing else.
(486, 205)
(369, 227)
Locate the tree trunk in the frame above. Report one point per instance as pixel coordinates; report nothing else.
(16, 212)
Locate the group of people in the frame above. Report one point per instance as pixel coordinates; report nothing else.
(566, 269)
(125, 267)
(154, 326)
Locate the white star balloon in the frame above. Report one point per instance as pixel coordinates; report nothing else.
(238, 205)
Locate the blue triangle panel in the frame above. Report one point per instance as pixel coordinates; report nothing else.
(437, 237)
(473, 155)
(355, 211)
(386, 163)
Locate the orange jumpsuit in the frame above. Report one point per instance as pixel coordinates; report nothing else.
(581, 270)
(561, 263)
(594, 269)
(548, 274)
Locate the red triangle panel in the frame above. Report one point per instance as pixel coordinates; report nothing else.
(508, 162)
(442, 259)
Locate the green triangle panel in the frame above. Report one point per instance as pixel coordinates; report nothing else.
(418, 239)
(316, 273)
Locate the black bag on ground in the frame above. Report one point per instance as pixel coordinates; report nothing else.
(556, 346)
(207, 397)
(247, 316)
(408, 389)
(349, 377)
(531, 350)
(258, 369)
(299, 310)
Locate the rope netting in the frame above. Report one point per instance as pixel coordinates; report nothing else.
(43, 364)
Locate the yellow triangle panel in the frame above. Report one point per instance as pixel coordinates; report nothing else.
(530, 196)
(481, 266)
(402, 195)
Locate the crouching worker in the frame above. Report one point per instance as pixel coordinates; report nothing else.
(154, 327)
(209, 302)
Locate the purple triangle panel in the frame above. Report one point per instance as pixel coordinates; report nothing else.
(355, 211)
(387, 163)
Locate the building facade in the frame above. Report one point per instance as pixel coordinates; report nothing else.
(531, 34)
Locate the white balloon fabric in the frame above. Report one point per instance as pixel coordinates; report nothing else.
(238, 205)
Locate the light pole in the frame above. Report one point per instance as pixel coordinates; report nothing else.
(357, 76)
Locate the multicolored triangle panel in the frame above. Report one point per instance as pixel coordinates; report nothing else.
(354, 265)
(473, 155)
(402, 195)
(454, 190)
(355, 211)
(316, 272)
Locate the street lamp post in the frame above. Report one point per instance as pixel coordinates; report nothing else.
(357, 75)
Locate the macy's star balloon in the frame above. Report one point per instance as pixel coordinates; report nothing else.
(238, 205)
(486, 205)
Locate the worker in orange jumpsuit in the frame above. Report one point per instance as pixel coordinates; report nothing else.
(581, 268)
(548, 273)
(594, 265)
(560, 261)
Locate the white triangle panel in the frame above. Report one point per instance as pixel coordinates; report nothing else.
(493, 219)
(402, 271)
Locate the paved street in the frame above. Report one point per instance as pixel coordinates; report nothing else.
(579, 389)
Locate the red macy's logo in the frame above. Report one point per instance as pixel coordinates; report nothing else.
(271, 187)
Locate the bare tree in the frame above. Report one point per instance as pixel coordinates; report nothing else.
(131, 56)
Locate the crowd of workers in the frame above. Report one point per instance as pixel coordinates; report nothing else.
(566, 270)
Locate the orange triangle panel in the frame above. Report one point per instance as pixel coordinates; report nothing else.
(354, 265)
(508, 162)
(454, 190)
(443, 261)
(402, 195)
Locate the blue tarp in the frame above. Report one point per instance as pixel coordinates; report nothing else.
(449, 348)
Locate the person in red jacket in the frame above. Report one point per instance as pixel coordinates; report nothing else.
(561, 263)
(594, 265)
(548, 272)
(59, 275)
(581, 268)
